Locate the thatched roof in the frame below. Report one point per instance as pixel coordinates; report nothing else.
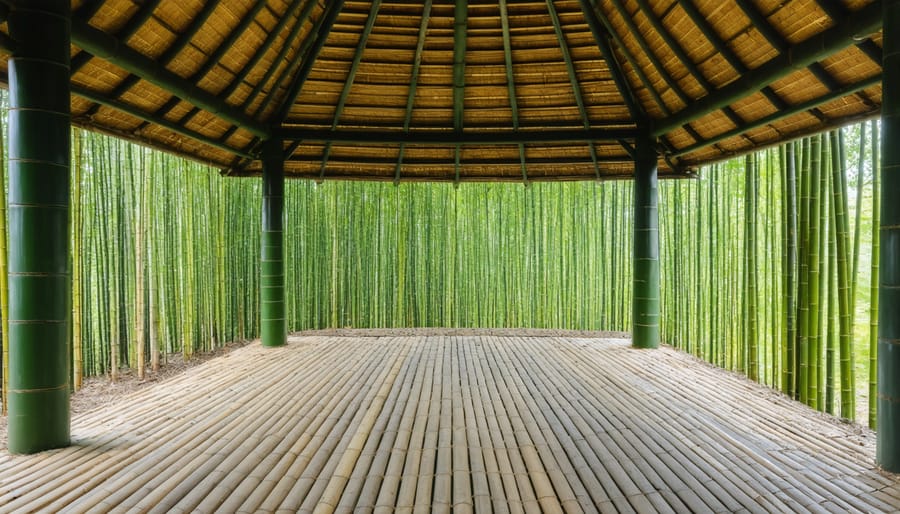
(480, 90)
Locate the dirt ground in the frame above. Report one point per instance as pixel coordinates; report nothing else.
(100, 391)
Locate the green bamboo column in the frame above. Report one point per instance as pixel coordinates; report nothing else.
(645, 302)
(272, 314)
(39, 284)
(888, 441)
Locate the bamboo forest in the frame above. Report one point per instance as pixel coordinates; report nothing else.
(771, 269)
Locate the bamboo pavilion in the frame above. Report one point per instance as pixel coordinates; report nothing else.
(425, 91)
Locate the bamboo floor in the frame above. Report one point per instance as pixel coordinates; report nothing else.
(461, 423)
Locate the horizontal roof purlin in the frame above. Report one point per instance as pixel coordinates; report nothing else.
(571, 82)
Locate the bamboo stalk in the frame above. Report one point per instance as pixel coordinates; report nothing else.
(838, 182)
(76, 238)
(874, 281)
(789, 210)
(140, 245)
(751, 335)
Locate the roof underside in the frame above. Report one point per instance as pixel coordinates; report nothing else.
(459, 91)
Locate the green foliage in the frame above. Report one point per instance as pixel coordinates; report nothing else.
(199, 233)
(482, 255)
(785, 261)
(169, 255)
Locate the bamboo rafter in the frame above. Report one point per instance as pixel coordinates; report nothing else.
(826, 43)
(215, 79)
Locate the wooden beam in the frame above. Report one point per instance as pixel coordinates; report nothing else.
(463, 179)
(601, 35)
(780, 43)
(674, 45)
(351, 77)
(118, 105)
(445, 137)
(270, 70)
(413, 83)
(131, 26)
(233, 36)
(460, 23)
(779, 115)
(813, 49)
(642, 77)
(573, 77)
(511, 83)
(111, 49)
(425, 161)
(725, 51)
(308, 60)
(648, 52)
(682, 56)
(183, 39)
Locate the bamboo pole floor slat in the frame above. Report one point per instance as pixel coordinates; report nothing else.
(461, 423)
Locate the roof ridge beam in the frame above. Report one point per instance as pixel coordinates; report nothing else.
(107, 47)
(457, 137)
(795, 57)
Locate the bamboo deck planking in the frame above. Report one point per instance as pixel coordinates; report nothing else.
(461, 423)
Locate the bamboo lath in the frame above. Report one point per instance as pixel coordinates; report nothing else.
(214, 80)
(394, 422)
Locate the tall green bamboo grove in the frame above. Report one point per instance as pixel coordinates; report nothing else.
(758, 269)
(155, 256)
(760, 266)
(482, 255)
